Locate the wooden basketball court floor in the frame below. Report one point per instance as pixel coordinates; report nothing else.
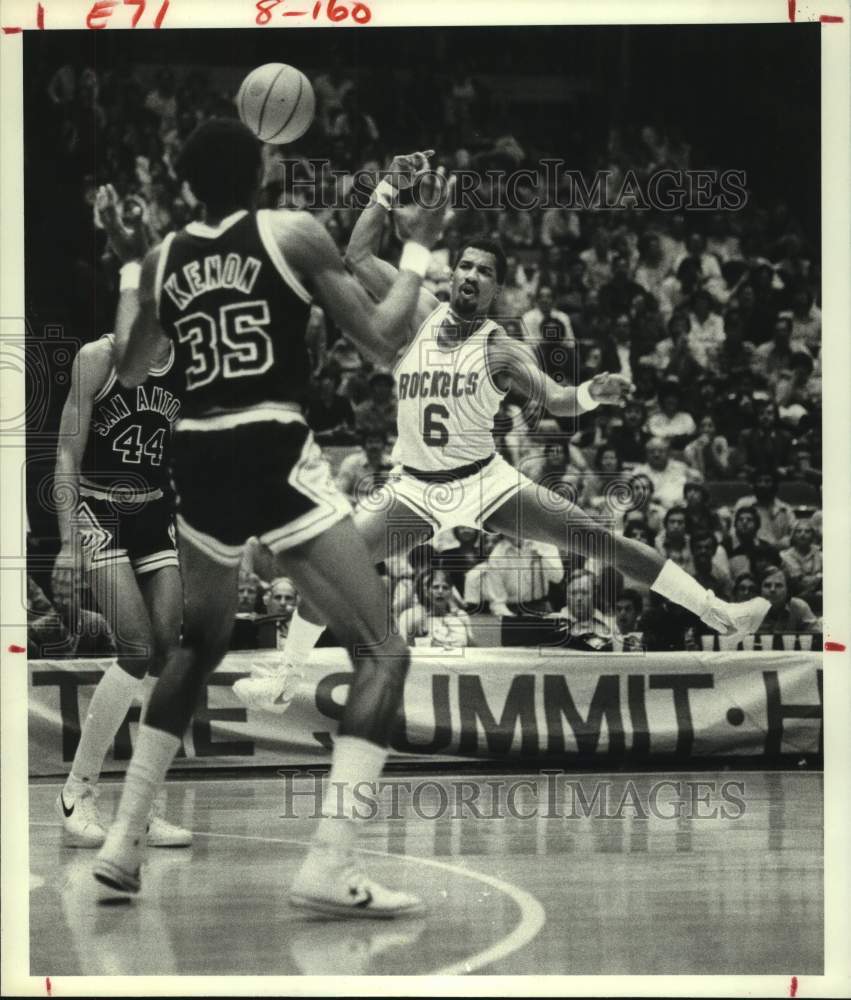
(616, 894)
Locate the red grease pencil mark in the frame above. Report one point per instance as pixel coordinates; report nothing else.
(793, 987)
(834, 647)
(790, 8)
(22, 649)
(47, 985)
(830, 19)
(39, 17)
(11, 31)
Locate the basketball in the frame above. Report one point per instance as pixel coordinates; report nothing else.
(276, 102)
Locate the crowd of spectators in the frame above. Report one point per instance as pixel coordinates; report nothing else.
(714, 317)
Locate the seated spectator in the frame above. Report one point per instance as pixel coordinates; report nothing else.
(598, 259)
(585, 623)
(671, 354)
(668, 475)
(797, 389)
(643, 506)
(765, 446)
(330, 415)
(281, 598)
(776, 517)
(248, 596)
(736, 353)
(672, 424)
(786, 614)
(699, 513)
(775, 356)
(706, 331)
(363, 471)
(515, 227)
(630, 439)
(616, 295)
(517, 578)
(639, 530)
(746, 550)
(606, 476)
(806, 321)
(802, 562)
(457, 551)
(434, 620)
(709, 453)
(652, 267)
(557, 464)
(627, 635)
(745, 587)
(377, 413)
(703, 547)
(672, 542)
(64, 628)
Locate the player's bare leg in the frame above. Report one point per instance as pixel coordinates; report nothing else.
(143, 631)
(162, 591)
(539, 514)
(210, 599)
(334, 571)
(397, 526)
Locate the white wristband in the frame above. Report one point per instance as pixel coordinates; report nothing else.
(415, 257)
(130, 275)
(384, 194)
(584, 398)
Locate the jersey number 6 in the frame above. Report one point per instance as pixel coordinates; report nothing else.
(435, 433)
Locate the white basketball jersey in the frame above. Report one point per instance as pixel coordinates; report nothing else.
(447, 399)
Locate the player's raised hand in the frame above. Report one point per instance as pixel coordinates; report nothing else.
(613, 390)
(128, 236)
(406, 168)
(423, 221)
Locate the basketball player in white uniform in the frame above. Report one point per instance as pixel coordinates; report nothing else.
(450, 382)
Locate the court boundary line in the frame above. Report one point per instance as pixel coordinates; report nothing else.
(533, 916)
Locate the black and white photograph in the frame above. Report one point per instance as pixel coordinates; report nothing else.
(425, 480)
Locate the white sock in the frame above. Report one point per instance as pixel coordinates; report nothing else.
(356, 762)
(301, 638)
(109, 705)
(676, 585)
(152, 757)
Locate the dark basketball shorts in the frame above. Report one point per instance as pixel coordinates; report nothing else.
(122, 531)
(256, 473)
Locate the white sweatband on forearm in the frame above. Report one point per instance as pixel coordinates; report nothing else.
(584, 398)
(415, 257)
(384, 194)
(130, 272)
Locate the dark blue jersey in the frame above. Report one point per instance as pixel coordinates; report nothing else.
(127, 451)
(236, 313)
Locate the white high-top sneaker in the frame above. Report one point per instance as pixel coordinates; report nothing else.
(271, 692)
(161, 833)
(77, 808)
(736, 620)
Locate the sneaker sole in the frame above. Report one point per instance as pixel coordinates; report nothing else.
(339, 910)
(73, 840)
(116, 879)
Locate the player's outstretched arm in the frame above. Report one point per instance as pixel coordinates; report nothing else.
(138, 335)
(517, 361)
(88, 375)
(379, 329)
(377, 275)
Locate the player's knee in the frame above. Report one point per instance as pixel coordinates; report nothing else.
(208, 646)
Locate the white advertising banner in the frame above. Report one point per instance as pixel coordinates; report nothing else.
(544, 707)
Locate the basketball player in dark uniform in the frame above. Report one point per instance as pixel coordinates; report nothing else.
(116, 525)
(233, 294)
